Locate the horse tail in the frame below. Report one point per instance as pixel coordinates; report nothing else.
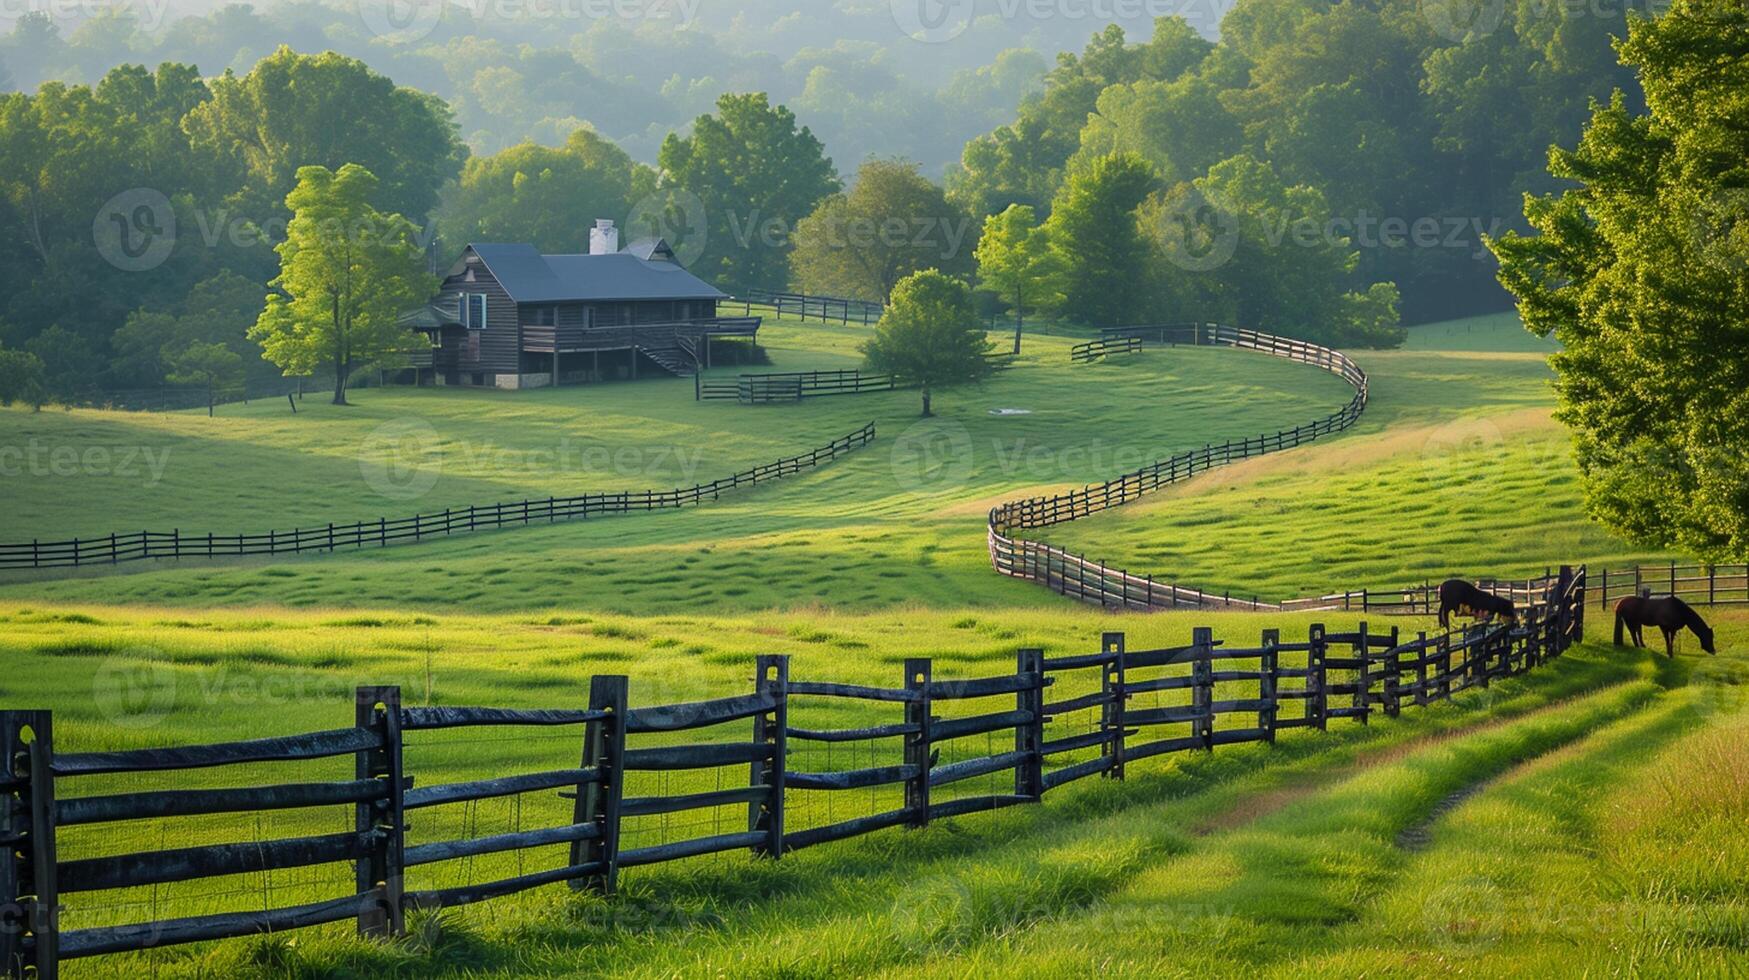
(1620, 621)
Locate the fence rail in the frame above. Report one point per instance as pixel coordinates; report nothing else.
(830, 309)
(1697, 584)
(753, 389)
(946, 733)
(1092, 581)
(144, 545)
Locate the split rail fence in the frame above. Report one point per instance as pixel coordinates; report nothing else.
(1092, 581)
(145, 545)
(756, 389)
(957, 746)
(830, 309)
(1698, 585)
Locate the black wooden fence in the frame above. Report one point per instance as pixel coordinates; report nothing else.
(756, 389)
(830, 309)
(1113, 707)
(1092, 581)
(1093, 350)
(143, 545)
(1699, 585)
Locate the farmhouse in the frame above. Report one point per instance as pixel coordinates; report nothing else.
(510, 317)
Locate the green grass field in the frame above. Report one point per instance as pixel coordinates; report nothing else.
(1585, 819)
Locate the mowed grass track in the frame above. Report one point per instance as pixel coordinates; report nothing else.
(1585, 817)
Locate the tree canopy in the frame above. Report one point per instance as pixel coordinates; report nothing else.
(755, 174)
(930, 335)
(1641, 271)
(347, 273)
(893, 222)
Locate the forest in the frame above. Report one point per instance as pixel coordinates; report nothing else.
(1328, 171)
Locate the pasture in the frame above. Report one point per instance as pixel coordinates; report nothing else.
(1585, 817)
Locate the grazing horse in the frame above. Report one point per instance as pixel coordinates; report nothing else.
(1669, 614)
(1465, 599)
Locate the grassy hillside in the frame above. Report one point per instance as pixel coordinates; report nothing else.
(1591, 809)
(1585, 817)
(1453, 429)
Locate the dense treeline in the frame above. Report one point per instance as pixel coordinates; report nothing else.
(1387, 113)
(1323, 171)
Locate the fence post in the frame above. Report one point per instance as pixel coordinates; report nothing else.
(16, 888)
(1029, 736)
(384, 821)
(770, 728)
(1421, 669)
(38, 908)
(1266, 683)
(1111, 714)
(598, 802)
(1203, 684)
(1318, 705)
(917, 677)
(1363, 680)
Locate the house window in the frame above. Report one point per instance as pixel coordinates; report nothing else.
(543, 316)
(474, 311)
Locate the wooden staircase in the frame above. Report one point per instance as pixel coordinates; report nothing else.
(672, 359)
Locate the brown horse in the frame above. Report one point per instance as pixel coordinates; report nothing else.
(1465, 599)
(1669, 614)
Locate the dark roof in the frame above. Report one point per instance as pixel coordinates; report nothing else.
(530, 277)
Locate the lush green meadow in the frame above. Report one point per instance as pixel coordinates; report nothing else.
(1583, 819)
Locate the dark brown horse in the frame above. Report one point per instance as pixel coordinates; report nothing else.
(1668, 613)
(1459, 596)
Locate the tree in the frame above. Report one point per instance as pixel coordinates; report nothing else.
(1094, 234)
(893, 223)
(1270, 256)
(756, 174)
(212, 367)
(1641, 271)
(347, 272)
(1015, 261)
(294, 110)
(21, 379)
(548, 196)
(930, 335)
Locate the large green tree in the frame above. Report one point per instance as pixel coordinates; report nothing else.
(930, 335)
(1095, 235)
(1641, 271)
(294, 110)
(347, 273)
(892, 223)
(754, 174)
(547, 195)
(1016, 263)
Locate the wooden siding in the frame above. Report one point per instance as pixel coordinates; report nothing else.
(500, 342)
